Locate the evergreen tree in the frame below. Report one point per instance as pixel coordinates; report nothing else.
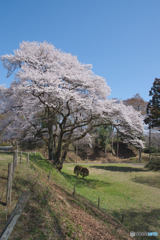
(153, 107)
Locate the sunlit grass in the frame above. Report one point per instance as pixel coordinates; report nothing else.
(123, 190)
(129, 193)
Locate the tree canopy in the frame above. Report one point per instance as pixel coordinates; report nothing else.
(137, 102)
(56, 99)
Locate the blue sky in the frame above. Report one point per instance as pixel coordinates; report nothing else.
(120, 38)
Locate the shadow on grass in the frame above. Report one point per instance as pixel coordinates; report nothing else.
(2, 203)
(140, 220)
(5, 178)
(6, 153)
(35, 212)
(86, 182)
(24, 182)
(152, 182)
(119, 169)
(36, 219)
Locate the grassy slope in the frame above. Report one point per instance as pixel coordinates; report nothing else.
(52, 212)
(137, 199)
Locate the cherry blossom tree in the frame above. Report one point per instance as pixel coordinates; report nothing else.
(57, 99)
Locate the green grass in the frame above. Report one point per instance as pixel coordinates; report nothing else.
(7, 156)
(41, 163)
(121, 193)
(38, 216)
(137, 199)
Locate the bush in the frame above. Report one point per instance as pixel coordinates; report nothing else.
(77, 169)
(154, 164)
(84, 172)
(152, 149)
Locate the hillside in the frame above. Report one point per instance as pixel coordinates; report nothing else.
(52, 212)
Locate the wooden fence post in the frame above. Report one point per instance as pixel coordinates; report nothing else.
(140, 155)
(49, 176)
(21, 157)
(9, 184)
(74, 190)
(14, 216)
(98, 203)
(28, 158)
(16, 157)
(122, 219)
(14, 161)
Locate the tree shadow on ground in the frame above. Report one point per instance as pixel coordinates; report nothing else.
(36, 219)
(2, 203)
(119, 169)
(152, 182)
(5, 178)
(35, 213)
(86, 182)
(140, 220)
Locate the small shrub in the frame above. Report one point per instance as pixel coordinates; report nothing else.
(77, 170)
(154, 164)
(152, 149)
(84, 172)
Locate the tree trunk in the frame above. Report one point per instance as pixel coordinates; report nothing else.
(57, 156)
(64, 156)
(58, 160)
(140, 156)
(117, 145)
(77, 152)
(62, 159)
(50, 153)
(149, 143)
(105, 150)
(112, 146)
(50, 141)
(58, 152)
(59, 164)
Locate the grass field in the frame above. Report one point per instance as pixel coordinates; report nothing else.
(131, 194)
(52, 212)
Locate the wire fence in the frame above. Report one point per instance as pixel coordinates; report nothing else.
(148, 180)
(4, 160)
(3, 182)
